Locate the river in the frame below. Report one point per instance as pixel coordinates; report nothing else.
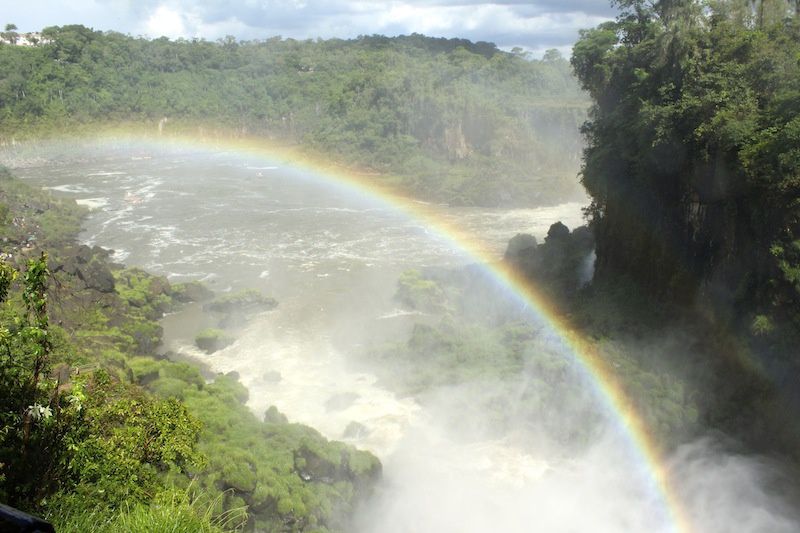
(331, 257)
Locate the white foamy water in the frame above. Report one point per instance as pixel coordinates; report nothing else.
(70, 188)
(330, 258)
(92, 203)
(308, 380)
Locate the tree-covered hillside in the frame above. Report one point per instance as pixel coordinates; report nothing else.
(693, 165)
(458, 121)
(693, 160)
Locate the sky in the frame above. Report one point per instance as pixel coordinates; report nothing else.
(532, 25)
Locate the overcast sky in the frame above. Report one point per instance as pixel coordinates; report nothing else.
(533, 25)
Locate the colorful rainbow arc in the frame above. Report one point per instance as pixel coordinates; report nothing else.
(353, 181)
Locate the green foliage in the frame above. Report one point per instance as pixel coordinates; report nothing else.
(693, 167)
(762, 325)
(191, 291)
(510, 370)
(248, 300)
(149, 294)
(34, 216)
(692, 159)
(126, 437)
(210, 340)
(416, 292)
(444, 114)
(170, 512)
(287, 475)
(32, 418)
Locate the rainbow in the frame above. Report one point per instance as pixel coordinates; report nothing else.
(353, 181)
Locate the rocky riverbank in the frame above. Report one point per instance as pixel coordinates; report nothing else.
(268, 473)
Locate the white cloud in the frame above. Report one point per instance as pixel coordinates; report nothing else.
(165, 21)
(535, 25)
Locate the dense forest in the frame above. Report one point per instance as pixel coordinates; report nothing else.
(693, 168)
(457, 121)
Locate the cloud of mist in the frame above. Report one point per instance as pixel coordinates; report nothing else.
(538, 451)
(438, 480)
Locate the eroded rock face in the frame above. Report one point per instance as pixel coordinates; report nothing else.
(97, 276)
(559, 262)
(192, 291)
(521, 243)
(89, 265)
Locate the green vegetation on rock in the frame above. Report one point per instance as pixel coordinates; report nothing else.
(508, 368)
(210, 340)
(246, 301)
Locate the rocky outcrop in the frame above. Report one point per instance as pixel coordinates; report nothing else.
(559, 263)
(192, 291)
(88, 265)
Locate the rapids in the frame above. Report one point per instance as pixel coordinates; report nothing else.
(331, 257)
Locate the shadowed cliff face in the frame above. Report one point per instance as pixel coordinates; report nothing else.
(691, 169)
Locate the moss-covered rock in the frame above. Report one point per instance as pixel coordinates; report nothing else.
(211, 340)
(418, 292)
(191, 291)
(248, 300)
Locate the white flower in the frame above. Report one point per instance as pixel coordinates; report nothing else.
(40, 412)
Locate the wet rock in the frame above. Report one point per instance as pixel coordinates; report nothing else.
(88, 265)
(95, 275)
(520, 244)
(557, 232)
(83, 254)
(159, 286)
(313, 465)
(341, 401)
(244, 301)
(212, 340)
(273, 416)
(355, 430)
(192, 291)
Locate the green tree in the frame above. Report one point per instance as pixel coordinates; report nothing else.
(33, 421)
(10, 34)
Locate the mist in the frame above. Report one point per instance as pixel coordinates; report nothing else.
(598, 490)
(482, 459)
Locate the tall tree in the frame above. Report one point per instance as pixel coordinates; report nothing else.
(10, 34)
